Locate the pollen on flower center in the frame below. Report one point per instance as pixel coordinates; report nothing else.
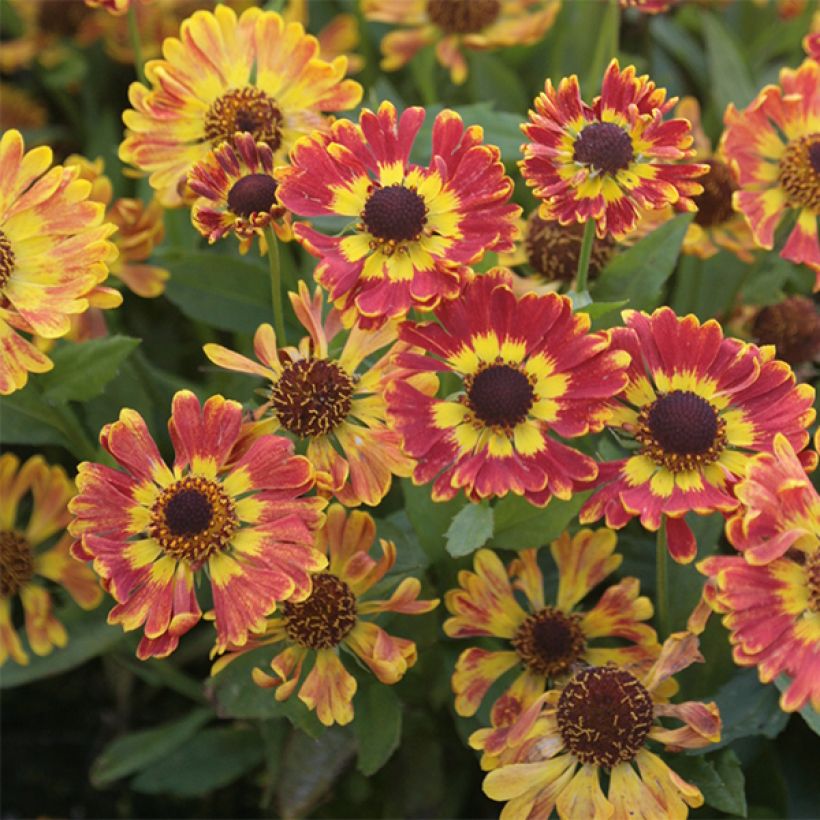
(326, 617)
(395, 214)
(604, 715)
(254, 193)
(7, 260)
(605, 146)
(312, 396)
(550, 642)
(500, 395)
(800, 172)
(463, 16)
(244, 109)
(715, 203)
(16, 562)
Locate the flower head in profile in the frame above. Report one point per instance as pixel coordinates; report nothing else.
(769, 596)
(414, 225)
(54, 255)
(339, 612)
(606, 720)
(152, 530)
(527, 370)
(223, 75)
(29, 559)
(610, 160)
(458, 25)
(545, 643)
(699, 406)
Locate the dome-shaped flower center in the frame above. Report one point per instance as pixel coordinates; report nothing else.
(800, 172)
(550, 642)
(16, 563)
(715, 203)
(6, 260)
(463, 16)
(681, 431)
(500, 395)
(255, 193)
(325, 618)
(312, 396)
(604, 715)
(813, 579)
(244, 109)
(792, 326)
(605, 146)
(192, 519)
(395, 214)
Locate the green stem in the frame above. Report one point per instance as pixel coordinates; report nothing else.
(584, 256)
(662, 582)
(276, 287)
(136, 42)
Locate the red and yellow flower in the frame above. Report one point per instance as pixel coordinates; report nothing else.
(529, 370)
(54, 255)
(774, 144)
(700, 406)
(546, 643)
(26, 563)
(644, 6)
(224, 75)
(416, 225)
(611, 160)
(151, 529)
(457, 25)
(335, 616)
(339, 37)
(770, 595)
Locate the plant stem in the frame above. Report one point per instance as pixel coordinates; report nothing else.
(662, 582)
(276, 287)
(136, 42)
(583, 258)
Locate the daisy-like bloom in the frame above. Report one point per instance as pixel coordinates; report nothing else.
(224, 75)
(456, 25)
(152, 530)
(237, 193)
(603, 722)
(335, 615)
(700, 406)
(415, 225)
(333, 403)
(54, 254)
(546, 642)
(792, 326)
(774, 145)
(611, 160)
(529, 370)
(27, 563)
(770, 595)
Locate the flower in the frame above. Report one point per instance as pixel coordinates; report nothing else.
(792, 326)
(528, 370)
(774, 145)
(335, 615)
(644, 6)
(699, 406)
(24, 566)
(546, 642)
(151, 530)
(603, 720)
(19, 109)
(415, 225)
(609, 160)
(224, 75)
(339, 37)
(115, 7)
(331, 402)
(770, 595)
(453, 25)
(237, 193)
(53, 256)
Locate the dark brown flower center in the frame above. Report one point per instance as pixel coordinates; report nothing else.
(715, 203)
(326, 617)
(604, 716)
(813, 579)
(463, 16)
(395, 214)
(16, 563)
(792, 326)
(800, 172)
(244, 109)
(605, 146)
(255, 193)
(550, 642)
(312, 396)
(500, 395)
(7, 260)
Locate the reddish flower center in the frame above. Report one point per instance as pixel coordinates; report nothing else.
(604, 716)
(792, 326)
(681, 431)
(16, 563)
(192, 519)
(550, 642)
(605, 146)
(800, 172)
(7, 260)
(813, 577)
(244, 109)
(715, 203)
(395, 214)
(255, 193)
(312, 397)
(500, 395)
(326, 617)
(463, 16)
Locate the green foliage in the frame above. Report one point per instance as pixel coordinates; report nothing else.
(720, 779)
(521, 525)
(470, 530)
(377, 726)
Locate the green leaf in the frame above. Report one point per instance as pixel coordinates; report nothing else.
(470, 529)
(680, 44)
(596, 310)
(430, 519)
(136, 750)
(729, 78)
(520, 525)
(492, 80)
(720, 779)
(812, 718)
(377, 726)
